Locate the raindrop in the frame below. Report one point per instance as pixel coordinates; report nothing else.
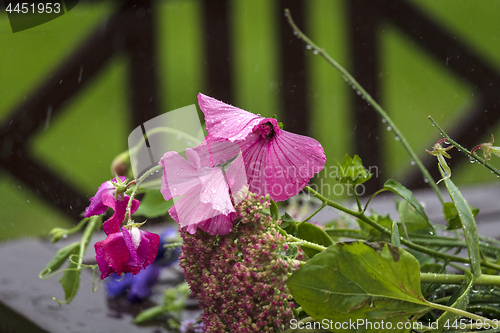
(471, 160)
(426, 180)
(80, 75)
(358, 92)
(308, 47)
(27, 200)
(315, 52)
(396, 138)
(412, 162)
(388, 128)
(295, 33)
(178, 137)
(383, 120)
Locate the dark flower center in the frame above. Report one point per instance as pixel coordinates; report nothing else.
(267, 131)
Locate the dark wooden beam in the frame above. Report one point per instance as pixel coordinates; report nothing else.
(363, 23)
(293, 83)
(217, 50)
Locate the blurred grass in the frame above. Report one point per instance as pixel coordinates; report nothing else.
(81, 142)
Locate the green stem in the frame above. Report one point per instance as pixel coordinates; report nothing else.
(464, 150)
(137, 184)
(369, 99)
(301, 242)
(315, 212)
(482, 280)
(462, 313)
(387, 232)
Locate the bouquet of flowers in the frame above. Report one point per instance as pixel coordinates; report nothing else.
(255, 269)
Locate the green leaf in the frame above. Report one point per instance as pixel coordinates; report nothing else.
(451, 215)
(395, 234)
(468, 225)
(360, 281)
(351, 171)
(406, 194)
(60, 258)
(461, 300)
(347, 233)
(313, 234)
(149, 314)
(413, 221)
(70, 281)
(153, 205)
(274, 210)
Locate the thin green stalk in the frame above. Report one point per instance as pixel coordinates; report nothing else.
(145, 175)
(464, 150)
(369, 99)
(387, 232)
(301, 242)
(482, 280)
(315, 212)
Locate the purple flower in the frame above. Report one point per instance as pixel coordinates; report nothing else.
(204, 183)
(277, 162)
(126, 251)
(136, 287)
(105, 197)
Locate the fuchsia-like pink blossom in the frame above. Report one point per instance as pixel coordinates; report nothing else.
(107, 196)
(204, 183)
(126, 251)
(277, 162)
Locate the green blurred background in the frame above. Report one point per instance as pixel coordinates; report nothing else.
(83, 140)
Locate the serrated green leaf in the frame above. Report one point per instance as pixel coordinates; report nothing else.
(406, 194)
(70, 281)
(468, 225)
(60, 258)
(360, 280)
(153, 205)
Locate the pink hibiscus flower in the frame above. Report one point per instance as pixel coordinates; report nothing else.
(105, 197)
(126, 251)
(277, 162)
(212, 175)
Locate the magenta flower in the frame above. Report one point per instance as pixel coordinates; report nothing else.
(126, 251)
(204, 183)
(105, 197)
(277, 162)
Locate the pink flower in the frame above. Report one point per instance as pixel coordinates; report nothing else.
(277, 162)
(204, 183)
(126, 251)
(105, 197)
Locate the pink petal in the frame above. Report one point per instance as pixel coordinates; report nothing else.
(116, 253)
(104, 268)
(133, 259)
(153, 241)
(178, 175)
(226, 121)
(113, 224)
(218, 225)
(215, 191)
(291, 161)
(254, 151)
(190, 210)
